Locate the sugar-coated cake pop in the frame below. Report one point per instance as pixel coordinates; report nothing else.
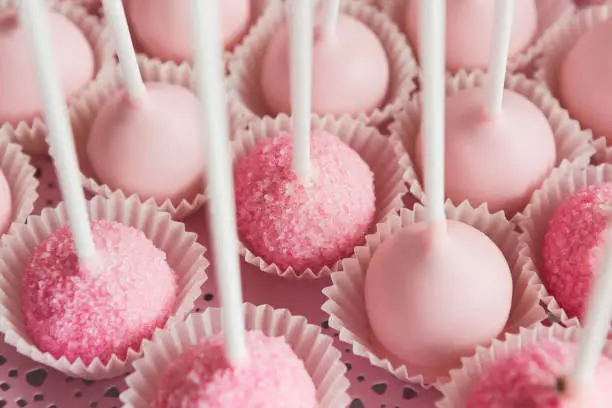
(432, 299)
(350, 71)
(162, 27)
(303, 226)
(6, 204)
(101, 309)
(585, 85)
(20, 98)
(528, 378)
(469, 28)
(572, 247)
(272, 377)
(151, 147)
(497, 160)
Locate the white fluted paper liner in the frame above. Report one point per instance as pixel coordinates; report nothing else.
(184, 255)
(315, 349)
(346, 296)
(32, 134)
(533, 222)
(572, 143)
(603, 153)
(384, 155)
(551, 13)
(246, 97)
(85, 109)
(462, 380)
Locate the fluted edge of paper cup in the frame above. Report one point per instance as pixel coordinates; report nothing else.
(184, 255)
(345, 302)
(32, 134)
(84, 111)
(603, 153)
(384, 155)
(457, 389)
(315, 349)
(246, 98)
(551, 14)
(533, 222)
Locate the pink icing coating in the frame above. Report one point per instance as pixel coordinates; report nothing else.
(572, 247)
(163, 27)
(274, 377)
(102, 309)
(6, 204)
(290, 224)
(350, 71)
(585, 83)
(19, 96)
(469, 28)
(527, 378)
(432, 296)
(153, 148)
(499, 161)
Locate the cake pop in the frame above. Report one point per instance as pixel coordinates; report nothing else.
(584, 80)
(161, 27)
(20, 99)
(469, 25)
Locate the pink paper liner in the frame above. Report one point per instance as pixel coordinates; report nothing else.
(384, 155)
(603, 153)
(346, 301)
(184, 255)
(551, 13)
(321, 359)
(84, 111)
(32, 135)
(533, 222)
(457, 389)
(573, 144)
(246, 98)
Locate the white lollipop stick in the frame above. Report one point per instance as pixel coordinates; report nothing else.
(34, 21)
(330, 17)
(498, 60)
(301, 84)
(209, 75)
(115, 14)
(432, 46)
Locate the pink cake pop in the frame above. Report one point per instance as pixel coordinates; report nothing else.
(272, 377)
(161, 27)
(469, 25)
(20, 98)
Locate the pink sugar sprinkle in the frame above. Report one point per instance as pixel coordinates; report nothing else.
(572, 247)
(273, 377)
(105, 309)
(287, 223)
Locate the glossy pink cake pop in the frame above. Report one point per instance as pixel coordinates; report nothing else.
(293, 225)
(350, 71)
(20, 99)
(102, 309)
(572, 246)
(152, 147)
(469, 28)
(6, 204)
(499, 161)
(431, 300)
(585, 84)
(273, 377)
(527, 378)
(163, 29)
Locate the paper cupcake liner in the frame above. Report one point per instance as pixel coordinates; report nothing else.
(551, 13)
(533, 222)
(572, 143)
(603, 153)
(184, 255)
(462, 380)
(84, 111)
(346, 296)
(32, 135)
(91, 5)
(321, 359)
(246, 97)
(385, 157)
